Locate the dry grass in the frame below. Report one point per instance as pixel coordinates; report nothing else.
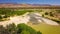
(45, 28)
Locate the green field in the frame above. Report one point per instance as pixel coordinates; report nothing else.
(46, 29)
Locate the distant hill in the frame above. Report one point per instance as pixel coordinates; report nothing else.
(29, 6)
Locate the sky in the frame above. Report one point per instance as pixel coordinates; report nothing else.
(52, 2)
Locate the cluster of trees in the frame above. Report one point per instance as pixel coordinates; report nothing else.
(11, 12)
(49, 13)
(19, 29)
(53, 13)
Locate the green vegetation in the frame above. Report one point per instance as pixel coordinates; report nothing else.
(46, 13)
(19, 29)
(58, 11)
(12, 12)
(51, 14)
(5, 13)
(23, 28)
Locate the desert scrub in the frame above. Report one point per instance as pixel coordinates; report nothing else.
(19, 29)
(4, 18)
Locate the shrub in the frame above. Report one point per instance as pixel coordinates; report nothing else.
(19, 29)
(46, 13)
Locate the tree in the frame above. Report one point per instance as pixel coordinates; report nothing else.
(25, 28)
(46, 13)
(11, 28)
(39, 32)
(51, 14)
(20, 29)
(25, 32)
(3, 30)
(0, 17)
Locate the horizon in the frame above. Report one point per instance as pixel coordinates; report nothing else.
(50, 2)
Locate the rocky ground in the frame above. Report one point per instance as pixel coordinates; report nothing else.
(33, 18)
